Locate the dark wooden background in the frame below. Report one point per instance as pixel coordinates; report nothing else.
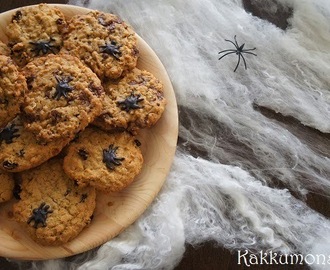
(209, 256)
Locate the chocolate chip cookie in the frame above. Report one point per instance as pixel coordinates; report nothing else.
(104, 42)
(12, 89)
(109, 162)
(20, 150)
(52, 208)
(136, 102)
(35, 31)
(63, 97)
(6, 186)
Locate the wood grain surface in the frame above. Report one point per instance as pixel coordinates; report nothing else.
(209, 256)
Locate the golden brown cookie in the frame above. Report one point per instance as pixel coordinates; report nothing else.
(20, 150)
(4, 49)
(6, 186)
(35, 31)
(51, 207)
(104, 42)
(12, 89)
(63, 97)
(110, 162)
(137, 101)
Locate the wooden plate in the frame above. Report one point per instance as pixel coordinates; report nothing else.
(114, 212)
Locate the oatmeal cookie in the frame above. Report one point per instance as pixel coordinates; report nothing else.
(110, 162)
(12, 89)
(4, 49)
(51, 207)
(137, 101)
(20, 150)
(35, 31)
(104, 42)
(63, 97)
(6, 186)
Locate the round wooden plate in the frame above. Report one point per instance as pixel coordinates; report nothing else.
(116, 211)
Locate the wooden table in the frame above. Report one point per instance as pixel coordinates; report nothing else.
(208, 256)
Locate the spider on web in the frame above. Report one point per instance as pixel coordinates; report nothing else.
(239, 50)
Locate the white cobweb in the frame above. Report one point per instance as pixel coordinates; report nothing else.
(221, 186)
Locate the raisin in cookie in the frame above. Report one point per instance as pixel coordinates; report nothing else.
(51, 207)
(12, 89)
(63, 97)
(20, 150)
(110, 162)
(35, 31)
(104, 42)
(6, 186)
(137, 101)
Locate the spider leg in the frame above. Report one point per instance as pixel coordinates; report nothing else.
(236, 41)
(226, 54)
(249, 53)
(227, 51)
(244, 61)
(239, 60)
(246, 50)
(52, 51)
(232, 43)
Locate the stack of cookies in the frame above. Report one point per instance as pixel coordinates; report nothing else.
(71, 104)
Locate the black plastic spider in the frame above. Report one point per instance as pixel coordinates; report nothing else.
(112, 49)
(43, 46)
(62, 87)
(130, 102)
(110, 157)
(39, 215)
(239, 51)
(8, 134)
